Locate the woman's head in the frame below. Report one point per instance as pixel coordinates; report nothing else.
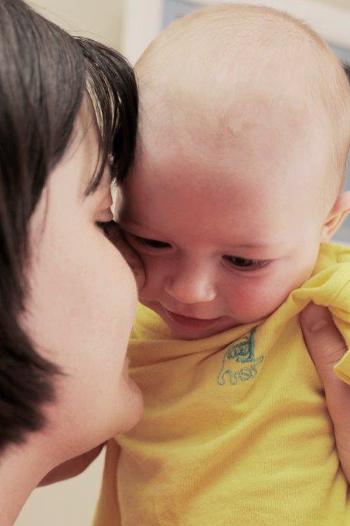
(68, 111)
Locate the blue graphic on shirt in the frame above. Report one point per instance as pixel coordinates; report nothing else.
(238, 353)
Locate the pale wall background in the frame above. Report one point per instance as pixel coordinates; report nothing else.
(98, 19)
(113, 22)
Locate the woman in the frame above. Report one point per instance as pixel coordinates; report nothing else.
(68, 112)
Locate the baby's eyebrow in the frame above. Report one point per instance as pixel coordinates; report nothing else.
(257, 244)
(136, 226)
(258, 249)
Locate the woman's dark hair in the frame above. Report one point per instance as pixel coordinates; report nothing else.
(347, 70)
(44, 75)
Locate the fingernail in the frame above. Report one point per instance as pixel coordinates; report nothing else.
(317, 326)
(315, 318)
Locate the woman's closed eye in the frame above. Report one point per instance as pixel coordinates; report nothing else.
(246, 264)
(106, 227)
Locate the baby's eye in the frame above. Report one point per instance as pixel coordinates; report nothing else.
(246, 264)
(154, 243)
(151, 243)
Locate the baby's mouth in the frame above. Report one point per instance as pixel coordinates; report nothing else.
(188, 321)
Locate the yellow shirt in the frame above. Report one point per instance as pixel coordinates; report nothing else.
(236, 429)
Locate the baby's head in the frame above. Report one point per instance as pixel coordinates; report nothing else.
(243, 140)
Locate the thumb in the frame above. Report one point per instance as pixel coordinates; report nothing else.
(323, 340)
(326, 347)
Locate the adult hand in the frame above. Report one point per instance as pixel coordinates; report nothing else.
(115, 235)
(326, 347)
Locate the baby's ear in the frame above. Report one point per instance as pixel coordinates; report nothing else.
(336, 216)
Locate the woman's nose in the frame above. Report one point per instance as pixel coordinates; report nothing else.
(190, 286)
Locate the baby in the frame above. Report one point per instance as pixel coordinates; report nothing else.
(235, 192)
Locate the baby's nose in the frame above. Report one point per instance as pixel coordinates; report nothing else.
(191, 287)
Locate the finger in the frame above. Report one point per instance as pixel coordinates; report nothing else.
(326, 347)
(323, 340)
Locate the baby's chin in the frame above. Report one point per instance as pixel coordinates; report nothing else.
(198, 333)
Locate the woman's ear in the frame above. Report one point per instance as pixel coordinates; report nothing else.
(336, 216)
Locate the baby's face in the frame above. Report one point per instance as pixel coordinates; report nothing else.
(225, 229)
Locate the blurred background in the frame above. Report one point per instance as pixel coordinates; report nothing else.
(129, 25)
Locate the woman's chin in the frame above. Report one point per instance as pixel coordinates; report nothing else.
(132, 405)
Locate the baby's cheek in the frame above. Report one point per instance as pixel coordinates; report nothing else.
(153, 272)
(131, 256)
(255, 299)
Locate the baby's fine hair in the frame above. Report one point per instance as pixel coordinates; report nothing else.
(240, 43)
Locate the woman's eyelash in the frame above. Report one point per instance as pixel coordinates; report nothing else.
(245, 263)
(103, 225)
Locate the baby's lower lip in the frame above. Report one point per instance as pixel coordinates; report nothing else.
(187, 321)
